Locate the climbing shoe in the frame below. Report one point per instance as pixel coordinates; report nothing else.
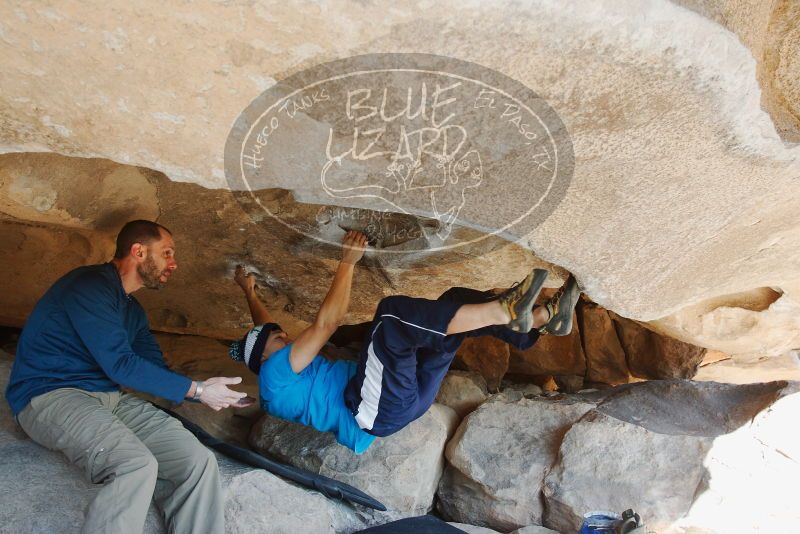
(560, 306)
(518, 300)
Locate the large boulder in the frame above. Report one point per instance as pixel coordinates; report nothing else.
(653, 355)
(605, 357)
(486, 355)
(462, 391)
(551, 355)
(603, 459)
(402, 470)
(683, 454)
(259, 502)
(653, 446)
(42, 493)
(498, 458)
(752, 473)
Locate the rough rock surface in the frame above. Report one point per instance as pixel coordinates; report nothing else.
(260, 502)
(551, 355)
(651, 355)
(402, 471)
(657, 440)
(42, 492)
(679, 452)
(769, 29)
(633, 81)
(515, 391)
(605, 357)
(731, 324)
(67, 211)
(643, 470)
(462, 391)
(765, 369)
(485, 355)
(498, 458)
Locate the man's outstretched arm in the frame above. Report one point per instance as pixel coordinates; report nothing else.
(247, 282)
(334, 307)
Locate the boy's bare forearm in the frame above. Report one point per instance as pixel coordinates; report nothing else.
(257, 309)
(337, 301)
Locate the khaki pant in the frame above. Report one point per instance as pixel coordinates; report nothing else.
(126, 443)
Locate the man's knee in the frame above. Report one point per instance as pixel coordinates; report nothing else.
(199, 461)
(140, 464)
(206, 460)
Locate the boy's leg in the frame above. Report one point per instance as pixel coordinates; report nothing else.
(465, 295)
(384, 394)
(432, 367)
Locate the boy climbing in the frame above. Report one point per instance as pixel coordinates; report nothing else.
(408, 349)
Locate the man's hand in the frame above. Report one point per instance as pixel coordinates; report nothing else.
(216, 394)
(353, 246)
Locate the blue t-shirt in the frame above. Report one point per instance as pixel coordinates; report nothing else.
(314, 397)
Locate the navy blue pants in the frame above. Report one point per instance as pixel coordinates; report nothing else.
(406, 355)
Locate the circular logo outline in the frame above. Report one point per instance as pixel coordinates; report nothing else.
(243, 119)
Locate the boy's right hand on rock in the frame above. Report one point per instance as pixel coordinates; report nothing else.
(353, 246)
(245, 280)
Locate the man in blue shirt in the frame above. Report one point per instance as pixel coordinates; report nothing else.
(86, 337)
(408, 349)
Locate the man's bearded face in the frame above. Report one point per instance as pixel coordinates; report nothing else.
(154, 276)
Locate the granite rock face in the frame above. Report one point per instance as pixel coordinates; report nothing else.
(704, 91)
(402, 471)
(213, 234)
(651, 355)
(676, 451)
(605, 357)
(499, 457)
(642, 470)
(660, 444)
(486, 356)
(261, 502)
(462, 391)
